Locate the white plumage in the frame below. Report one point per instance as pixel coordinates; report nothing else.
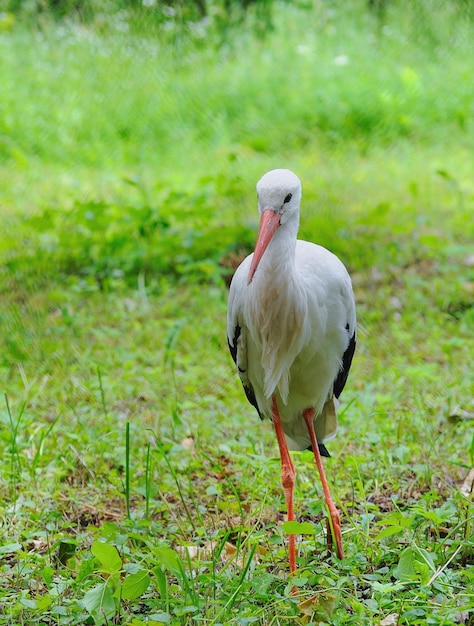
(291, 321)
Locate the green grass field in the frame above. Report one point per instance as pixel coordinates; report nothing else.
(137, 484)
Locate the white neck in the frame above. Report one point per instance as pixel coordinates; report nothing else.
(277, 266)
(278, 306)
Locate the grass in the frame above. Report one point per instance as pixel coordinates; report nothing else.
(137, 484)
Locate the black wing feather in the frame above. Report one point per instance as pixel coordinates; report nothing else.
(341, 380)
(233, 348)
(249, 392)
(346, 365)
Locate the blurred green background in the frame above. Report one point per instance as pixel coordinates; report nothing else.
(132, 134)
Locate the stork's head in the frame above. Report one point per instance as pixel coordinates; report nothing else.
(279, 196)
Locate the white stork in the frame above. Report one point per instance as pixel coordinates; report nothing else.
(291, 328)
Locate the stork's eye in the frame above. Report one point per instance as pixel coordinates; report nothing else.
(287, 199)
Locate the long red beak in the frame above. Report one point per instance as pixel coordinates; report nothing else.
(269, 222)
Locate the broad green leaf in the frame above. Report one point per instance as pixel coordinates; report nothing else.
(298, 528)
(186, 609)
(397, 519)
(432, 515)
(423, 571)
(414, 565)
(99, 600)
(395, 523)
(107, 556)
(405, 570)
(45, 601)
(47, 573)
(9, 548)
(132, 568)
(169, 558)
(262, 582)
(388, 532)
(424, 565)
(159, 618)
(86, 569)
(29, 604)
(161, 581)
(299, 581)
(134, 585)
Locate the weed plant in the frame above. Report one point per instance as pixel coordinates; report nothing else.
(136, 484)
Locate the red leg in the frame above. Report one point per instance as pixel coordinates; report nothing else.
(288, 475)
(334, 520)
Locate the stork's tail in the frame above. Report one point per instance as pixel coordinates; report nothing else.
(323, 451)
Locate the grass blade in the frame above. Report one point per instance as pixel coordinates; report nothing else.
(127, 468)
